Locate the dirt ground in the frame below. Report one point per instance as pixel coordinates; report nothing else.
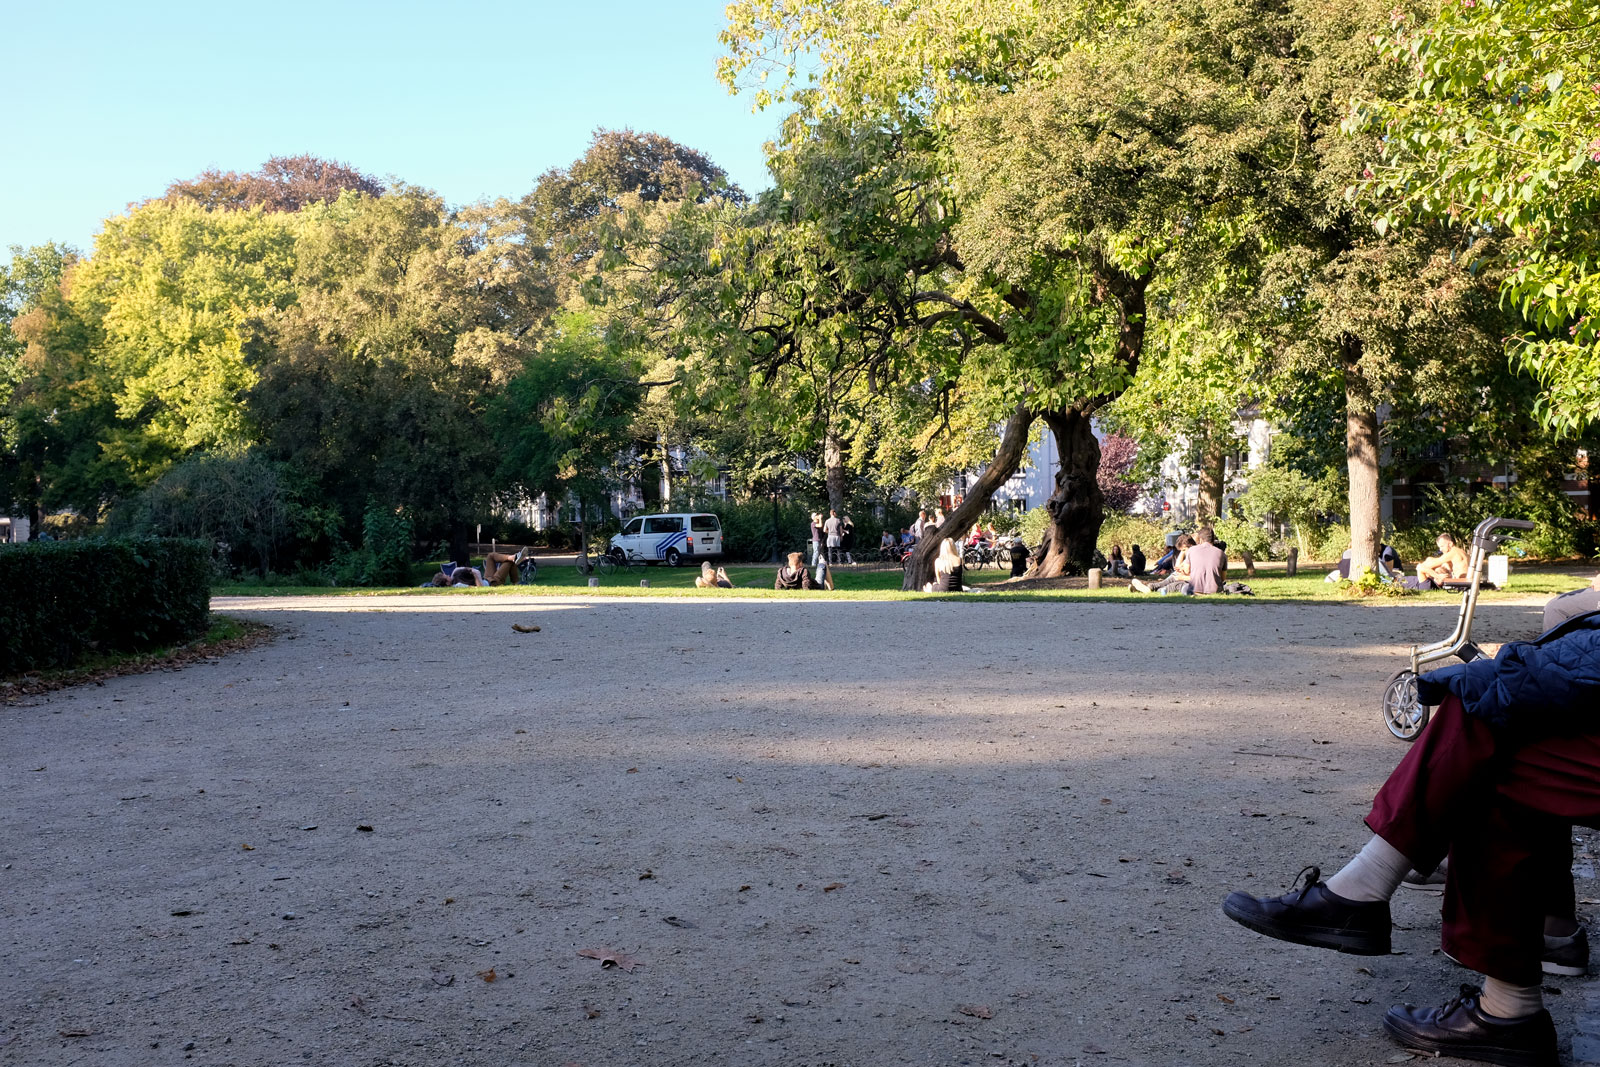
(820, 833)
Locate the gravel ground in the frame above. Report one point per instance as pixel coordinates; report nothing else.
(820, 833)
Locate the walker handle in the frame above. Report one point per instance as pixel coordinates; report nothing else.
(1485, 538)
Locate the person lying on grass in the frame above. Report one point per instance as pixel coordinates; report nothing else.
(712, 579)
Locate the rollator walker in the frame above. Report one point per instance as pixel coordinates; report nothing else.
(1403, 712)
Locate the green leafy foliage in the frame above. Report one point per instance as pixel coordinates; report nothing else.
(1496, 132)
(58, 599)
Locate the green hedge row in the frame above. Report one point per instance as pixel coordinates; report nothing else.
(60, 599)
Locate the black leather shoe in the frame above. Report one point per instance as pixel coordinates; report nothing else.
(1311, 915)
(1461, 1029)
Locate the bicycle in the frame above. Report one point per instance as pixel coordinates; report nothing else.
(981, 555)
(609, 562)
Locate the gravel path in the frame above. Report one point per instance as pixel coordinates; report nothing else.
(828, 833)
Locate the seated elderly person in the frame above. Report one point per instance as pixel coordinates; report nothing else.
(1511, 760)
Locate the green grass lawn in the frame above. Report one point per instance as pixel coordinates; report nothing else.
(884, 584)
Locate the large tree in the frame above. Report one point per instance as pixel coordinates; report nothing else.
(376, 382)
(284, 183)
(1496, 130)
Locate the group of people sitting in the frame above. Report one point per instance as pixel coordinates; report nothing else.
(1194, 566)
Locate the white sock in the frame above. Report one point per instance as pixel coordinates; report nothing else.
(1374, 874)
(1506, 1001)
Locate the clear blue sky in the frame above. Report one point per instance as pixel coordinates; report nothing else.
(111, 101)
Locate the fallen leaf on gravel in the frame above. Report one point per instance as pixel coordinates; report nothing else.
(977, 1011)
(590, 1012)
(521, 629)
(487, 976)
(1224, 998)
(830, 887)
(1400, 1057)
(743, 888)
(1219, 1033)
(682, 924)
(357, 1004)
(442, 978)
(648, 875)
(313, 826)
(1094, 1050)
(611, 958)
(75, 1033)
(248, 848)
(364, 828)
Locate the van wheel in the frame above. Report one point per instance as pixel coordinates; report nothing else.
(673, 557)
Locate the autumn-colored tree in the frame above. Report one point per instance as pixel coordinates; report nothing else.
(284, 183)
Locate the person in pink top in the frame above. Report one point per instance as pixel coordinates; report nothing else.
(1207, 562)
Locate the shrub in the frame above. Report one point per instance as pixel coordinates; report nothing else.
(1244, 536)
(1130, 530)
(1366, 583)
(61, 599)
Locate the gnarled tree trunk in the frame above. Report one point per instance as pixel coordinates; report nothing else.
(1077, 506)
(833, 468)
(1008, 457)
(1361, 454)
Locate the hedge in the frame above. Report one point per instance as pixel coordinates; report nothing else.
(61, 599)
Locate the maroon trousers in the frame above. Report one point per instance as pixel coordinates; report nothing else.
(1503, 813)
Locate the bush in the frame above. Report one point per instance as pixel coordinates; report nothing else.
(1130, 530)
(1330, 542)
(1559, 532)
(61, 599)
(1244, 536)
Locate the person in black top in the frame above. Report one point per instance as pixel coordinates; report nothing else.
(947, 569)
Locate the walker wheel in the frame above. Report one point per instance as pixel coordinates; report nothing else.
(1403, 711)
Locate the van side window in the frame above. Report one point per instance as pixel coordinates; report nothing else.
(704, 522)
(662, 524)
(632, 527)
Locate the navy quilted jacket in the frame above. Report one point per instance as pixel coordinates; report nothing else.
(1550, 685)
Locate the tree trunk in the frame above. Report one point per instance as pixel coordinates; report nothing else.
(1213, 470)
(833, 465)
(777, 554)
(1361, 454)
(460, 551)
(1008, 457)
(1077, 506)
(666, 469)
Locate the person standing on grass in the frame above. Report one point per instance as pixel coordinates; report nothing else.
(816, 536)
(847, 539)
(832, 529)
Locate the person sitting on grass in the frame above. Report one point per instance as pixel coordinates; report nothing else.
(1449, 565)
(1116, 566)
(948, 571)
(712, 579)
(1177, 575)
(794, 575)
(1136, 562)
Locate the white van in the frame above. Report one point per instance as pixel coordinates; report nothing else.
(670, 539)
